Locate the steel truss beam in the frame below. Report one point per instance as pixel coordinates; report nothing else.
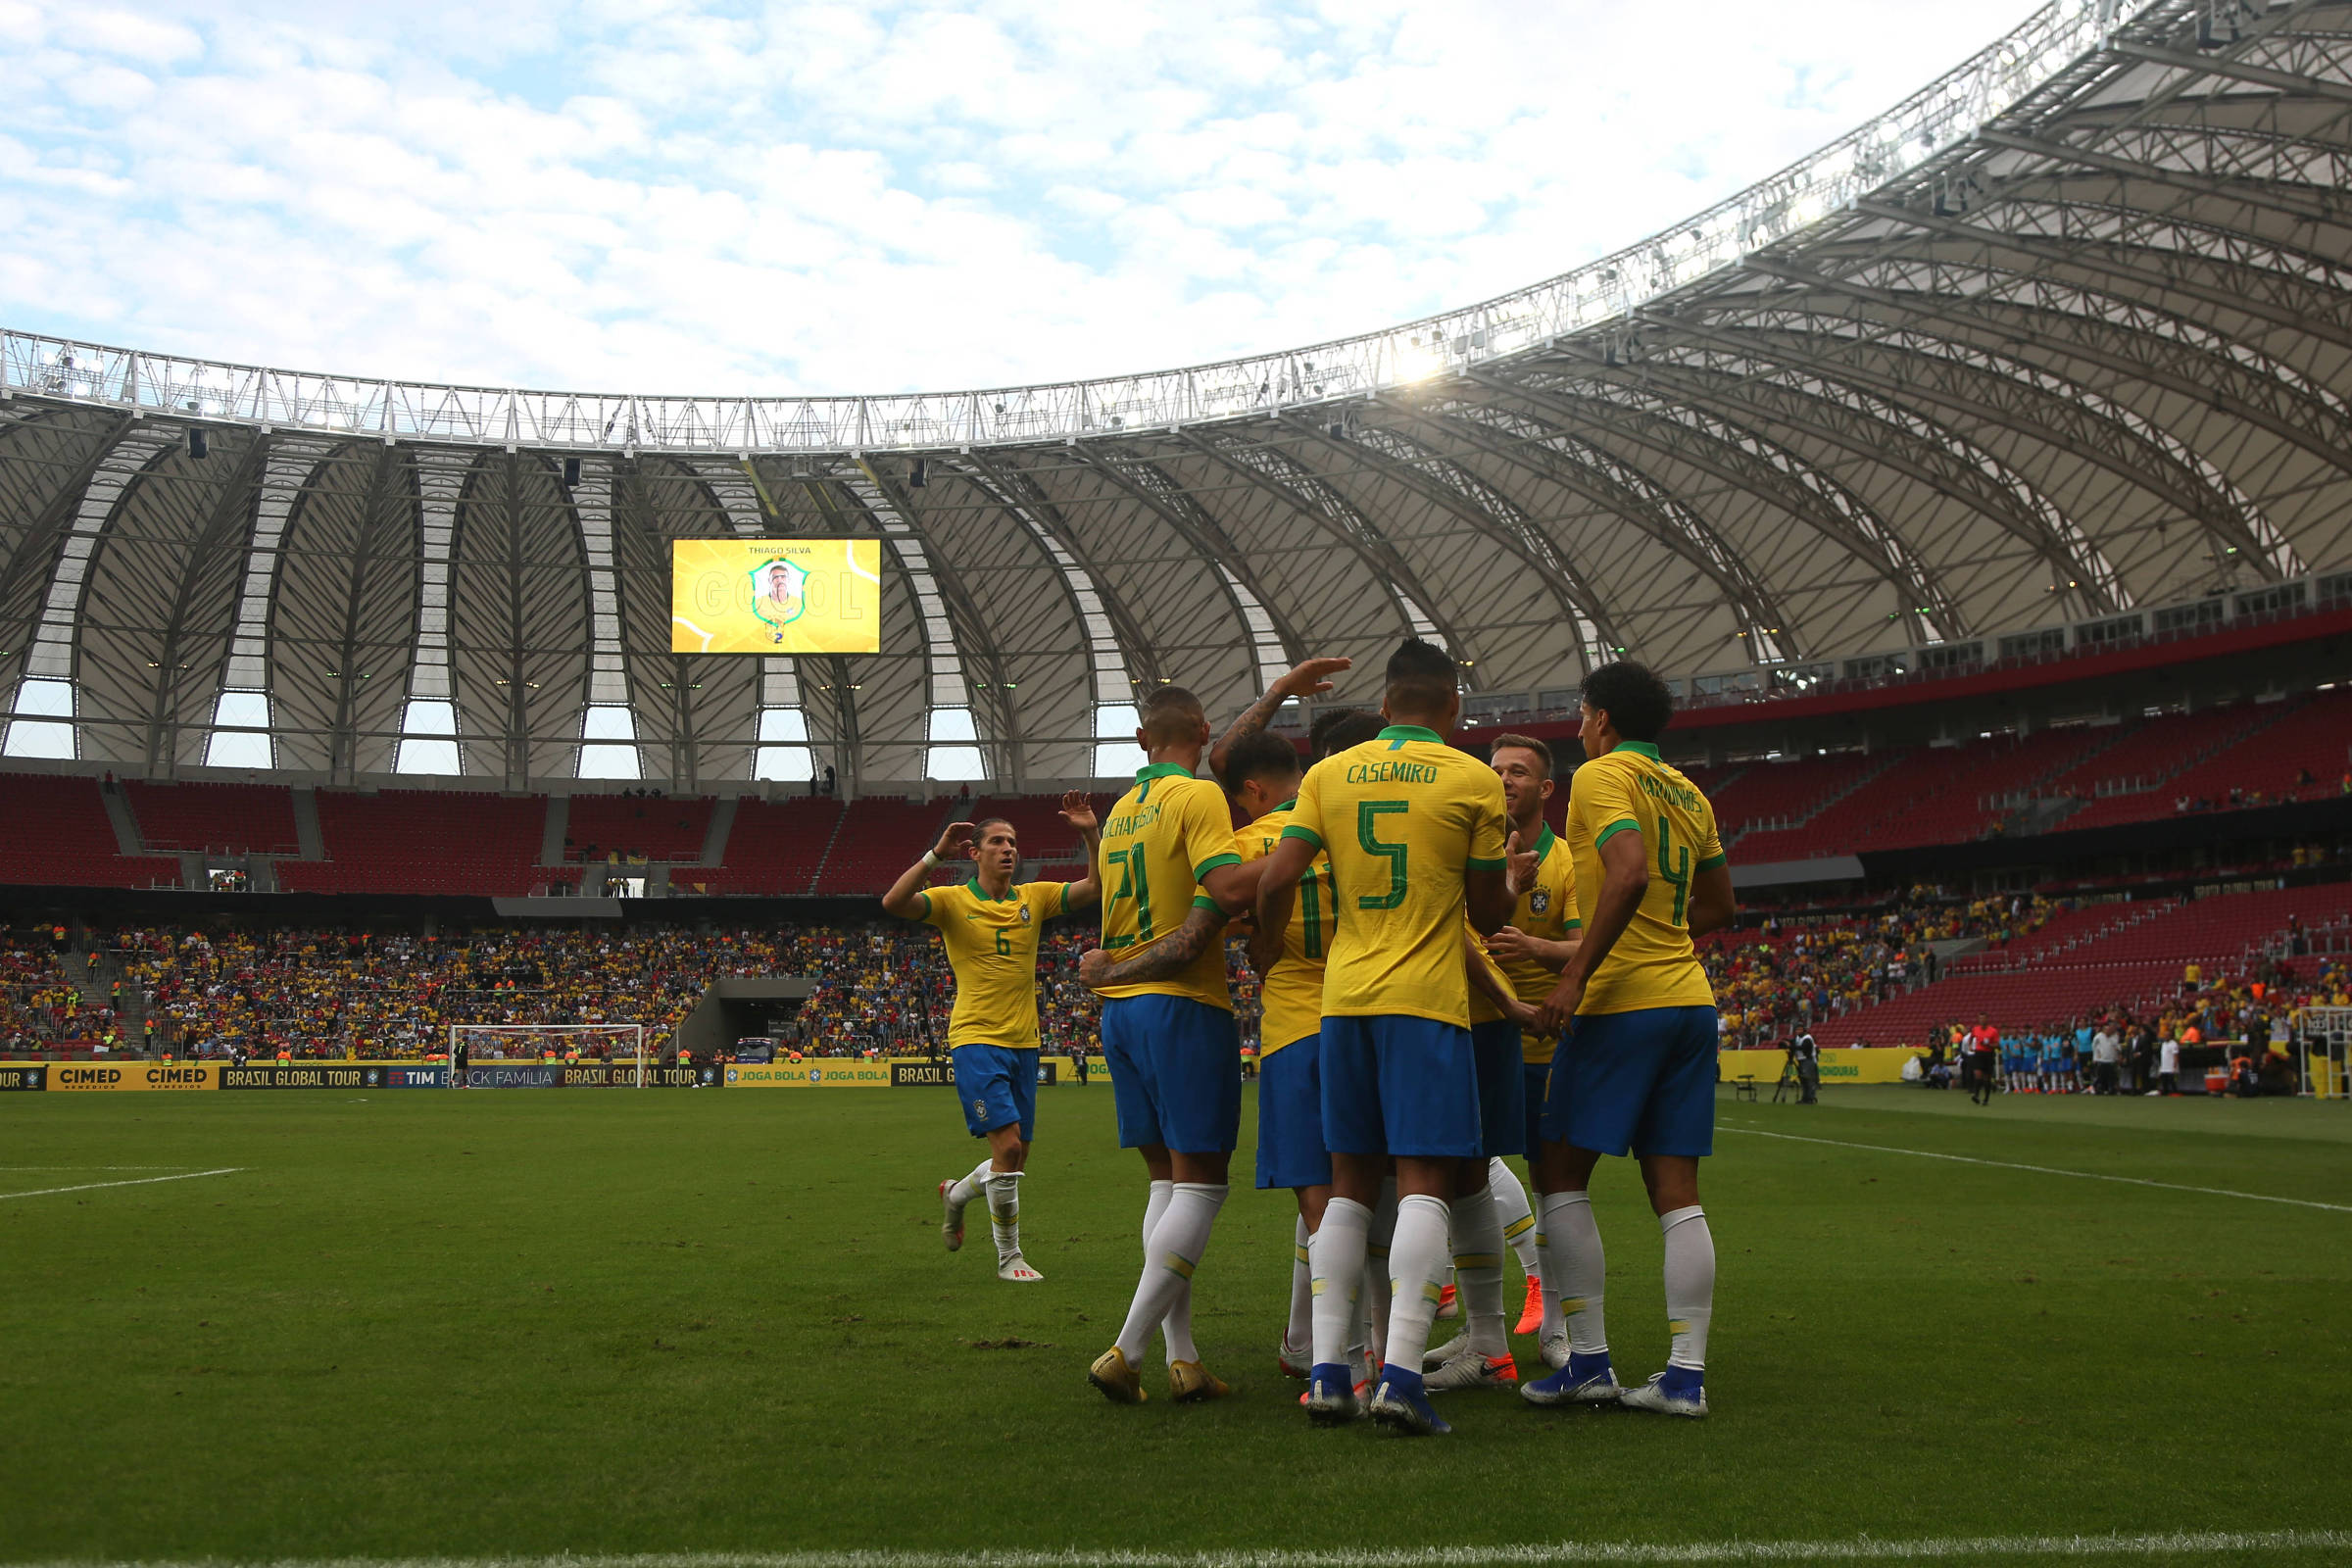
(1750, 461)
(1544, 449)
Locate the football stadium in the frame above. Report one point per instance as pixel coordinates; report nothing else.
(1794, 780)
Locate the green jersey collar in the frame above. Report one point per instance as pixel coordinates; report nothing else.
(1412, 732)
(1545, 840)
(1639, 749)
(1011, 890)
(1290, 805)
(1143, 775)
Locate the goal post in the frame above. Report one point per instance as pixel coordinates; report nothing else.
(2324, 1043)
(622, 1045)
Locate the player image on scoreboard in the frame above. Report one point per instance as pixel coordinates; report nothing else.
(776, 596)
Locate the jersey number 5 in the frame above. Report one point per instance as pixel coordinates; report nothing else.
(1367, 834)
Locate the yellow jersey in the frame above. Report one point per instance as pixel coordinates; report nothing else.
(1631, 790)
(1162, 838)
(1546, 909)
(1293, 989)
(1403, 817)
(991, 948)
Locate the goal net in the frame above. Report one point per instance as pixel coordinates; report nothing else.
(2325, 1044)
(490, 1048)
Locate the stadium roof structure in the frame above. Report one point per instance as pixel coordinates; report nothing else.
(2065, 335)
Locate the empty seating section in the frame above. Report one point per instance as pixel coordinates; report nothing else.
(1838, 827)
(230, 818)
(1785, 794)
(2095, 959)
(424, 841)
(1035, 819)
(59, 833)
(2270, 752)
(627, 825)
(878, 837)
(774, 847)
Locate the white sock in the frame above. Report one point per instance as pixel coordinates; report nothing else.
(1478, 1270)
(1548, 1272)
(1004, 1211)
(1336, 1259)
(1580, 1269)
(1154, 1207)
(963, 1189)
(1690, 1284)
(1511, 1209)
(1416, 1277)
(1299, 1333)
(1177, 1242)
(1377, 1292)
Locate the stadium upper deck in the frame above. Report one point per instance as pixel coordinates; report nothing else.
(2060, 340)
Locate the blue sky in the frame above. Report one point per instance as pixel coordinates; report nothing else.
(668, 196)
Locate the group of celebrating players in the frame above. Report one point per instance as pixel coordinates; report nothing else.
(1433, 1003)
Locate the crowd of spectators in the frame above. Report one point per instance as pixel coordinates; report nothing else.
(883, 987)
(1799, 969)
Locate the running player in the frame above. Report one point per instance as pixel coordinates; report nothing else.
(1171, 882)
(990, 928)
(1527, 956)
(1640, 1070)
(1415, 834)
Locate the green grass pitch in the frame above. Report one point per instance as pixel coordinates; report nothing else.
(478, 1324)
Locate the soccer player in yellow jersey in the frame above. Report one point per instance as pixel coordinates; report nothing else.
(1512, 972)
(1637, 1071)
(990, 927)
(1414, 831)
(1170, 882)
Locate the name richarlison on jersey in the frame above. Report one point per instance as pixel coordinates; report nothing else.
(1135, 821)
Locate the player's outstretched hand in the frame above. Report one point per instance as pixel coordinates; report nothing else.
(1511, 943)
(1518, 867)
(1078, 809)
(1558, 1010)
(1311, 677)
(954, 841)
(1091, 965)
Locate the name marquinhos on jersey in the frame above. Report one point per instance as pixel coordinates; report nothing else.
(1660, 788)
(1395, 772)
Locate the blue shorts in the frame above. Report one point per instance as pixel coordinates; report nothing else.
(1395, 1084)
(1536, 1076)
(1175, 1073)
(1501, 1087)
(997, 1085)
(1289, 1116)
(1643, 1080)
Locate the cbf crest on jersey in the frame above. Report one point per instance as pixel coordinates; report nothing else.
(1539, 900)
(1024, 914)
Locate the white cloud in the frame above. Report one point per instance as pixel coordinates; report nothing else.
(849, 197)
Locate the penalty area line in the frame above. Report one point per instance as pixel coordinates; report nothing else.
(141, 1181)
(2046, 1170)
(1537, 1555)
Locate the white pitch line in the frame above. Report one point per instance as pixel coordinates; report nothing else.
(2048, 1171)
(1539, 1556)
(143, 1181)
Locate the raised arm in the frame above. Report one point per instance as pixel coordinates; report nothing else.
(1079, 812)
(1308, 679)
(905, 897)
